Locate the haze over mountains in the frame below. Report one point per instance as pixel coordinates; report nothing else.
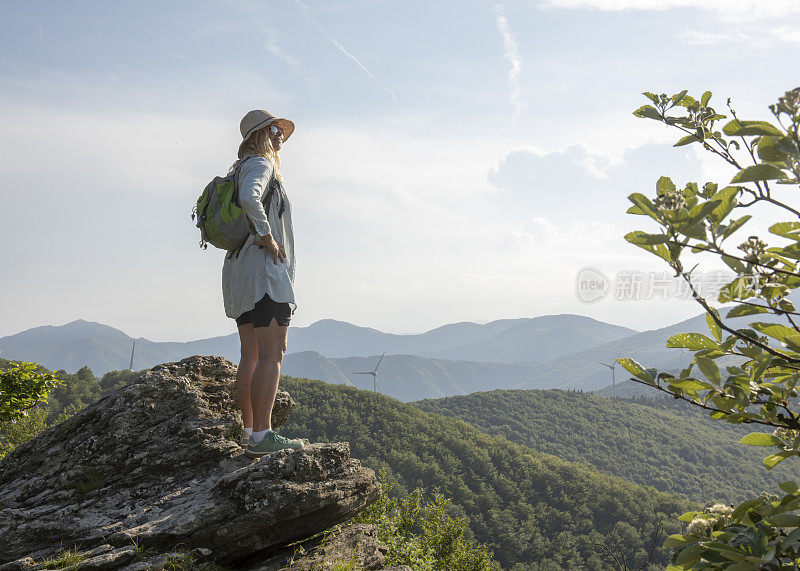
(551, 351)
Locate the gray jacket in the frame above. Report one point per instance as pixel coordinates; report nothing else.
(251, 274)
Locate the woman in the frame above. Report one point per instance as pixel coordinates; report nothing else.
(258, 279)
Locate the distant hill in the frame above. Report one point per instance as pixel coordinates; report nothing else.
(410, 377)
(501, 341)
(550, 351)
(535, 340)
(103, 348)
(533, 510)
(407, 377)
(582, 369)
(679, 451)
(313, 365)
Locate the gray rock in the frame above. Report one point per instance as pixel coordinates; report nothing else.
(107, 558)
(357, 544)
(157, 462)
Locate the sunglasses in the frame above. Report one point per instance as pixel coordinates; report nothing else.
(274, 130)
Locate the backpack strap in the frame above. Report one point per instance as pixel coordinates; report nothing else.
(266, 201)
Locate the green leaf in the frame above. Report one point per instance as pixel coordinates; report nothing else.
(644, 204)
(638, 237)
(665, 185)
(734, 264)
(678, 97)
(789, 230)
(784, 520)
(727, 202)
(635, 210)
(793, 342)
(635, 369)
(744, 128)
(712, 325)
(652, 97)
(688, 556)
(687, 140)
(705, 98)
(737, 289)
(675, 540)
(775, 330)
(761, 439)
(742, 508)
(790, 539)
(709, 189)
(773, 459)
(659, 250)
(770, 149)
(689, 516)
(689, 102)
(649, 112)
(745, 309)
(709, 369)
(762, 171)
(735, 225)
(690, 385)
(694, 341)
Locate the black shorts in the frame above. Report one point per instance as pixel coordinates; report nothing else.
(266, 308)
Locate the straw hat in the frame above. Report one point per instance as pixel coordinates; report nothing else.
(258, 118)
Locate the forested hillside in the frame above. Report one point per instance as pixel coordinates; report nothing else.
(677, 450)
(531, 509)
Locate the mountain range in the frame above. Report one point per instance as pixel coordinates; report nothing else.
(551, 351)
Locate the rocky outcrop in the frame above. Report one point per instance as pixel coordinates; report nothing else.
(154, 470)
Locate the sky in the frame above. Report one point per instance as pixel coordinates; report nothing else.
(452, 160)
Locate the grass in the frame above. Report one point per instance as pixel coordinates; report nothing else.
(89, 481)
(65, 558)
(140, 551)
(179, 562)
(341, 564)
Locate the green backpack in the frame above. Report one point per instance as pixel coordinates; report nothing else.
(220, 217)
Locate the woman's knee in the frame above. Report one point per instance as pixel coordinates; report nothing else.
(248, 358)
(273, 353)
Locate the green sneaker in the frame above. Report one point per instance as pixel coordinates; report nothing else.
(272, 443)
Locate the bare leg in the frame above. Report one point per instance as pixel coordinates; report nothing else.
(244, 373)
(266, 375)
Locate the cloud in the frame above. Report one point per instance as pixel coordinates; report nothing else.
(787, 34)
(575, 181)
(540, 234)
(732, 10)
(512, 55)
(753, 37)
(701, 38)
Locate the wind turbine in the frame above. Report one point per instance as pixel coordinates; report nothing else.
(613, 378)
(374, 373)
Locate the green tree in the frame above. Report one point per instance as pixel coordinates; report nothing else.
(22, 388)
(422, 534)
(759, 387)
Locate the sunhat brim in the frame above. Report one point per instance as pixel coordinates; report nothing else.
(285, 125)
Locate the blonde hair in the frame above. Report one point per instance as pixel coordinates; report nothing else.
(259, 144)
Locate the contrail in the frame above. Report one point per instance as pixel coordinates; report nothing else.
(512, 55)
(342, 48)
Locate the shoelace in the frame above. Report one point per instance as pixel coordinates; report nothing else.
(278, 438)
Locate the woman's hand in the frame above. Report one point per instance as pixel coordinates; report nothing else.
(274, 247)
